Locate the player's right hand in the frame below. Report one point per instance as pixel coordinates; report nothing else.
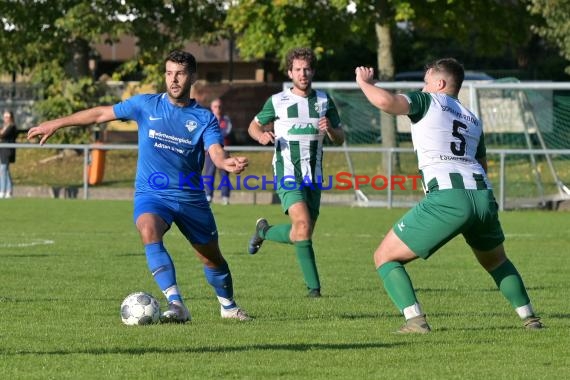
(266, 138)
(236, 164)
(43, 131)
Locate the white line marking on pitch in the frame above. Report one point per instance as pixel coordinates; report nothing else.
(27, 244)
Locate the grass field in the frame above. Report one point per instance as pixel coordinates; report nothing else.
(68, 264)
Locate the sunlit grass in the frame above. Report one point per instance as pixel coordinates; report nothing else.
(67, 265)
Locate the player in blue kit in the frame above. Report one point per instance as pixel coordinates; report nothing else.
(174, 133)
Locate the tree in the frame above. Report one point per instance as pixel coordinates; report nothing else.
(50, 42)
(556, 26)
(268, 29)
(488, 27)
(161, 26)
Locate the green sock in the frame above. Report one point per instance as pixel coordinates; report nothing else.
(510, 283)
(278, 233)
(397, 284)
(306, 257)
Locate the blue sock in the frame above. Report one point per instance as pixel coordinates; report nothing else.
(221, 280)
(162, 268)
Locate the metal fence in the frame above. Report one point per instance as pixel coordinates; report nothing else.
(360, 198)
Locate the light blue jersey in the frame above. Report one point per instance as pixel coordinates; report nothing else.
(172, 144)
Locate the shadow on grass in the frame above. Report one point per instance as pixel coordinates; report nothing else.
(301, 347)
(489, 289)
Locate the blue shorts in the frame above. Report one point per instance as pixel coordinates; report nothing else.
(195, 220)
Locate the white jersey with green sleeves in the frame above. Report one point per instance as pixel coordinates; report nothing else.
(448, 139)
(298, 142)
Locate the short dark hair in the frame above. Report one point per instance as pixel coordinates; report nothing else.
(182, 58)
(305, 54)
(451, 67)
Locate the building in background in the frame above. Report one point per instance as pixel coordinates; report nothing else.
(241, 85)
(216, 64)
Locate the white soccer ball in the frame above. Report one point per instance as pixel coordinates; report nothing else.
(140, 308)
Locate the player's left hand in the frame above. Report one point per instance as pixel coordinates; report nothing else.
(364, 74)
(236, 164)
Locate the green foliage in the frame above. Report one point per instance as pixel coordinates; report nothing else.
(36, 32)
(64, 282)
(63, 96)
(162, 26)
(488, 27)
(59, 33)
(485, 26)
(50, 43)
(473, 30)
(271, 28)
(556, 23)
(55, 40)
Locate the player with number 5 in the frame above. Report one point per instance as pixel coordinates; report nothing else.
(449, 144)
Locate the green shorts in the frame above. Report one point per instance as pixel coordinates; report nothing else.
(444, 214)
(290, 193)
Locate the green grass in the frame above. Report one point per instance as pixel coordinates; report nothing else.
(67, 265)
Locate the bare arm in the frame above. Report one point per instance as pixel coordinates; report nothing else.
(257, 132)
(93, 115)
(380, 98)
(221, 159)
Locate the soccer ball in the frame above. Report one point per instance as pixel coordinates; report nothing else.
(140, 308)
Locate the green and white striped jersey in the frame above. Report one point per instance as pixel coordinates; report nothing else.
(448, 139)
(298, 143)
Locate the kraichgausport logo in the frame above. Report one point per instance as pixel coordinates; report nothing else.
(341, 181)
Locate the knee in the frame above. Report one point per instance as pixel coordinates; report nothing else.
(379, 257)
(210, 254)
(392, 248)
(491, 259)
(492, 262)
(212, 262)
(301, 230)
(148, 233)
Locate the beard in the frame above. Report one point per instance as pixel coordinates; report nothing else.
(302, 85)
(181, 93)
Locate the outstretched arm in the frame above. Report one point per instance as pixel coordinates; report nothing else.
(385, 100)
(93, 115)
(221, 159)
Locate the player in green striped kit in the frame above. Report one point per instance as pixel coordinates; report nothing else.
(449, 143)
(301, 118)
